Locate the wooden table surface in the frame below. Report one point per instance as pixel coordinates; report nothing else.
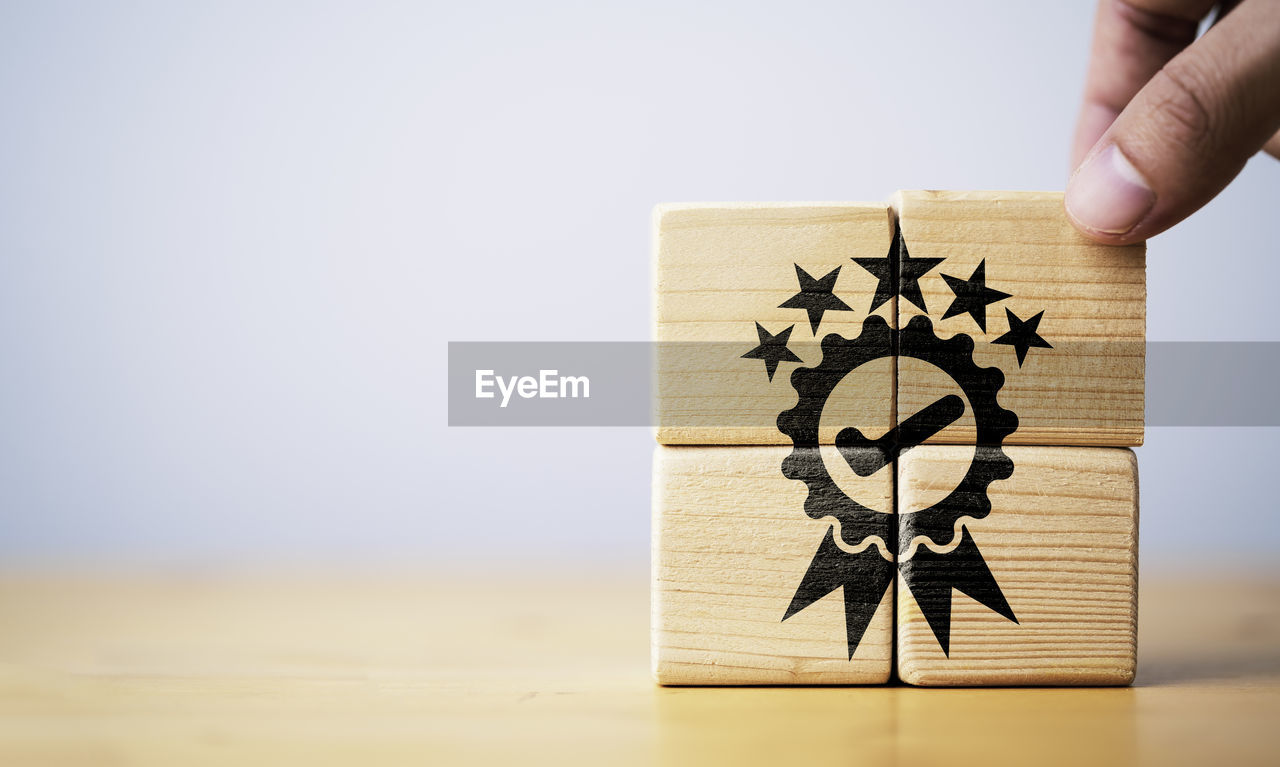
(525, 667)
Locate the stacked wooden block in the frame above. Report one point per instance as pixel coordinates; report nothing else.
(894, 437)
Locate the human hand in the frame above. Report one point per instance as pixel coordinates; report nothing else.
(1168, 120)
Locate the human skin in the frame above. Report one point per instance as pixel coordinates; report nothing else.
(1169, 120)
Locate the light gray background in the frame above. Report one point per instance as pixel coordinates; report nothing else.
(236, 237)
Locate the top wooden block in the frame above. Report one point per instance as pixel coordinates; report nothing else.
(722, 268)
(1077, 311)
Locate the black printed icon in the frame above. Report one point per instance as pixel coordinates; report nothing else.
(932, 548)
(898, 274)
(1022, 335)
(973, 296)
(816, 296)
(772, 349)
(906, 435)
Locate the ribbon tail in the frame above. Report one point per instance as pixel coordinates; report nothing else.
(931, 576)
(865, 577)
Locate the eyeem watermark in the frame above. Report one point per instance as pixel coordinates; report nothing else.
(548, 385)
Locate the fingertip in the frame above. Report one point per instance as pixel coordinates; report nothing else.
(1107, 197)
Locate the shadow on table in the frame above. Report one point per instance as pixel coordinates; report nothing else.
(1173, 670)
(1209, 631)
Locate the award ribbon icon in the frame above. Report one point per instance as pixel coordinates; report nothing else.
(932, 547)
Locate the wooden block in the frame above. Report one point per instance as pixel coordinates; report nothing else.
(747, 587)
(1008, 270)
(773, 278)
(1040, 591)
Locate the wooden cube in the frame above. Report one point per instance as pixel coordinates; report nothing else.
(763, 579)
(744, 293)
(1039, 590)
(1061, 316)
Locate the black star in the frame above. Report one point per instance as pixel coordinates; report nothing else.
(772, 349)
(973, 295)
(1022, 335)
(898, 273)
(816, 297)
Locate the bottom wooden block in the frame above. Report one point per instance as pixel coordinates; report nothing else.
(1040, 591)
(748, 588)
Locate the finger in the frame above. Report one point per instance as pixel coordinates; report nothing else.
(1186, 134)
(1131, 41)
(1273, 146)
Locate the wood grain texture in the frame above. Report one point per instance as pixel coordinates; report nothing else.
(731, 542)
(1061, 541)
(721, 268)
(546, 662)
(1087, 389)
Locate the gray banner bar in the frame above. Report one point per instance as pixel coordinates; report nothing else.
(541, 384)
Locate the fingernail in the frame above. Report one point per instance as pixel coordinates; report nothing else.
(1107, 194)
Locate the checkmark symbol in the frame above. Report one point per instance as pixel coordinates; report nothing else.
(906, 435)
